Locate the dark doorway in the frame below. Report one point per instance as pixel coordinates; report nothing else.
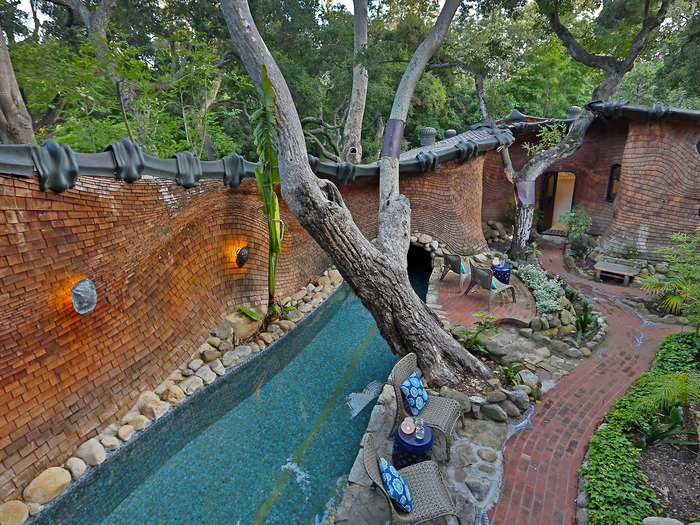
(556, 199)
(420, 267)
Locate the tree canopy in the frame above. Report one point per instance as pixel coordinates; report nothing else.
(167, 73)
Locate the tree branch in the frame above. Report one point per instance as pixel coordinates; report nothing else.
(324, 151)
(505, 155)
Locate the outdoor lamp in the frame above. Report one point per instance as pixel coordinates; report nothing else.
(84, 296)
(241, 256)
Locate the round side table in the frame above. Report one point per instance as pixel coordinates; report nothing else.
(409, 450)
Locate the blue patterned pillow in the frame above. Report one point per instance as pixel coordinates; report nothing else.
(415, 393)
(395, 485)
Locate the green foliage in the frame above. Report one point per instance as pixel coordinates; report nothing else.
(533, 250)
(679, 293)
(577, 221)
(250, 313)
(571, 294)
(546, 291)
(669, 390)
(617, 490)
(584, 320)
(548, 135)
(663, 432)
(629, 251)
(472, 338)
(510, 373)
(267, 176)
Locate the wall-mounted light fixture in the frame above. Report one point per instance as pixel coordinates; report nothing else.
(242, 256)
(84, 296)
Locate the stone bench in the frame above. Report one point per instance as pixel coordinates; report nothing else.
(617, 267)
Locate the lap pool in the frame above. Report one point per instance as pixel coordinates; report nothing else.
(268, 443)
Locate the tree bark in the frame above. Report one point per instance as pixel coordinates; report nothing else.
(378, 276)
(615, 71)
(352, 134)
(15, 122)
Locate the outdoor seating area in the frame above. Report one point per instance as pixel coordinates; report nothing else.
(625, 269)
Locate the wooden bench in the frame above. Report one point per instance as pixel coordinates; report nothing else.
(617, 267)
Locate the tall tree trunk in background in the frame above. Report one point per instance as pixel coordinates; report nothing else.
(377, 273)
(15, 122)
(352, 134)
(615, 70)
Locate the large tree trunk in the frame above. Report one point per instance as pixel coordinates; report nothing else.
(615, 70)
(15, 122)
(377, 274)
(352, 134)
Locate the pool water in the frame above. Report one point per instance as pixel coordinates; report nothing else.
(272, 444)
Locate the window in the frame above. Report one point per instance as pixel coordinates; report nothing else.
(613, 182)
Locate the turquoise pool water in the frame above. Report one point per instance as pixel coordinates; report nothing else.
(277, 455)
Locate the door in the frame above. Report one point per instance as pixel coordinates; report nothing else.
(563, 198)
(549, 190)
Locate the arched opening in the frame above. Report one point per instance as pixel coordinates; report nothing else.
(420, 267)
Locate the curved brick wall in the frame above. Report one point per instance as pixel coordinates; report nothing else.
(602, 147)
(162, 259)
(659, 188)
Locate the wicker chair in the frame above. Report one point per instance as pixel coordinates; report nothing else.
(439, 413)
(431, 498)
(484, 277)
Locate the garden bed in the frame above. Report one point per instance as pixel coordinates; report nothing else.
(621, 480)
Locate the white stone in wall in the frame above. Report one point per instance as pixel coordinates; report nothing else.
(125, 432)
(110, 442)
(191, 384)
(91, 452)
(145, 398)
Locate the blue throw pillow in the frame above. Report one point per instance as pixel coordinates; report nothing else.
(493, 283)
(395, 485)
(415, 393)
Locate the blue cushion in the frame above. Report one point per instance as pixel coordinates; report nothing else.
(395, 485)
(493, 284)
(415, 393)
(462, 269)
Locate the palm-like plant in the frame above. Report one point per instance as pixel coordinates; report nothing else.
(679, 293)
(669, 390)
(267, 176)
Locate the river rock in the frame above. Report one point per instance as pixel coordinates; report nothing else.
(510, 408)
(214, 341)
(528, 377)
(324, 280)
(206, 374)
(536, 324)
(243, 326)
(34, 508)
(223, 331)
(13, 512)
(294, 315)
(174, 394)
(559, 346)
(487, 455)
(126, 431)
(525, 332)
(335, 277)
(574, 353)
(145, 399)
(567, 329)
(225, 346)
(494, 413)
(195, 364)
(76, 467)
(285, 324)
(162, 388)
(495, 396)
(424, 238)
(566, 317)
(138, 421)
(156, 409)
(461, 398)
(91, 452)
(478, 486)
(232, 357)
(652, 520)
(191, 384)
(209, 353)
(110, 442)
(47, 485)
(267, 337)
(217, 367)
(519, 397)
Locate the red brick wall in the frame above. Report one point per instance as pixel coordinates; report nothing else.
(660, 186)
(602, 147)
(161, 258)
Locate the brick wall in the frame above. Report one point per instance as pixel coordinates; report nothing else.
(162, 260)
(660, 186)
(602, 147)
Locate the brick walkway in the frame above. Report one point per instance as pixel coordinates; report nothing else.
(459, 309)
(540, 477)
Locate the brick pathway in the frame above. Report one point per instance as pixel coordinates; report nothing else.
(540, 477)
(459, 309)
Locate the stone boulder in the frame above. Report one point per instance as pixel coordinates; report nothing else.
(47, 485)
(191, 384)
(76, 466)
(519, 397)
(91, 452)
(138, 421)
(174, 394)
(110, 442)
(156, 409)
(206, 374)
(145, 399)
(13, 512)
(478, 486)
(653, 520)
(464, 404)
(494, 413)
(125, 432)
(209, 353)
(243, 326)
(335, 277)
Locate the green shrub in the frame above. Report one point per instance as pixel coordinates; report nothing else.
(545, 290)
(617, 490)
(577, 221)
